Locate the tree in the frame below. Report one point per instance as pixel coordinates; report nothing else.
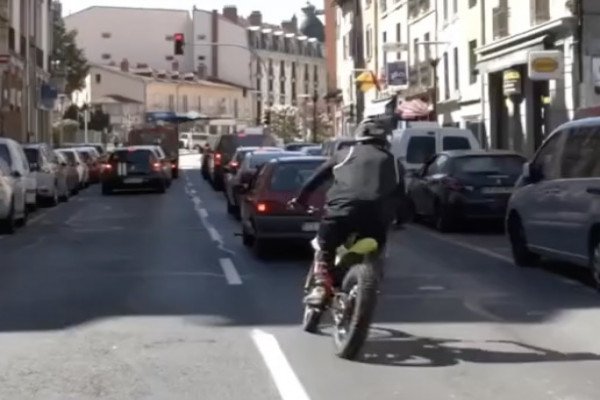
(99, 120)
(72, 112)
(69, 58)
(284, 122)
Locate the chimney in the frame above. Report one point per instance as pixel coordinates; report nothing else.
(230, 12)
(255, 18)
(125, 65)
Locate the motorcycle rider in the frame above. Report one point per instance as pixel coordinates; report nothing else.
(361, 199)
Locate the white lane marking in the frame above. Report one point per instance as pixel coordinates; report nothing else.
(203, 213)
(231, 273)
(467, 246)
(475, 307)
(214, 234)
(431, 288)
(285, 379)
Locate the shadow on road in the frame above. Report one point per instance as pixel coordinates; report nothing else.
(395, 348)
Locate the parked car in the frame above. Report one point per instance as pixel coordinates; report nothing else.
(243, 174)
(133, 168)
(80, 166)
(460, 185)
(13, 155)
(264, 212)
(13, 209)
(222, 149)
(91, 161)
(555, 209)
(71, 176)
(312, 151)
(45, 168)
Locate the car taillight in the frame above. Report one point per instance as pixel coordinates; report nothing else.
(262, 207)
(106, 167)
(234, 164)
(157, 166)
(218, 158)
(453, 184)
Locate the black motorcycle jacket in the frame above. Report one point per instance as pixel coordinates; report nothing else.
(363, 173)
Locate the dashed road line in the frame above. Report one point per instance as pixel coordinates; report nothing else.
(288, 384)
(231, 273)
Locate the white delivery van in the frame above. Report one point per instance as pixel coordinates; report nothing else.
(418, 142)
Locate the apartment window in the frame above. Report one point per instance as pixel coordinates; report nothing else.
(316, 77)
(445, 10)
(540, 11)
(383, 5)
(185, 103)
(368, 3)
(472, 3)
(106, 35)
(446, 77)
(171, 102)
(201, 37)
(306, 79)
(384, 37)
(427, 51)
(98, 78)
(369, 40)
(282, 77)
(455, 6)
(456, 71)
(169, 58)
(236, 108)
(199, 104)
(398, 38)
(472, 61)
(106, 56)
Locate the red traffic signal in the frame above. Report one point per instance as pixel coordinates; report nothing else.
(179, 40)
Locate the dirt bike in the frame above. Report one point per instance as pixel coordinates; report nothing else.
(358, 268)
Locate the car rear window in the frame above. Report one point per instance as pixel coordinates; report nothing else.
(85, 155)
(420, 149)
(69, 155)
(229, 143)
(5, 154)
(132, 157)
(33, 155)
(258, 159)
(456, 143)
(507, 165)
(290, 176)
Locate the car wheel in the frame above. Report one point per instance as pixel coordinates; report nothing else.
(106, 190)
(595, 261)
(260, 247)
(9, 224)
(162, 188)
(443, 221)
(54, 200)
(247, 237)
(522, 256)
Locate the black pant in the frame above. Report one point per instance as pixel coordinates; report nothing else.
(368, 219)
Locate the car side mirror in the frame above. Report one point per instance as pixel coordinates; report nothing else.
(532, 173)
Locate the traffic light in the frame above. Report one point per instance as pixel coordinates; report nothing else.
(179, 40)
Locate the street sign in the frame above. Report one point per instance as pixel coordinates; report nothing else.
(512, 82)
(395, 46)
(397, 73)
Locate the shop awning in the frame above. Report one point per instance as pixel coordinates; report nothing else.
(415, 109)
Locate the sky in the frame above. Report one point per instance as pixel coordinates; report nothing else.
(273, 11)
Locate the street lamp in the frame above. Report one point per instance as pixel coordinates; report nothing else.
(434, 64)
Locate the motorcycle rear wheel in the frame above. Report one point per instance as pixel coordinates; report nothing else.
(312, 315)
(353, 310)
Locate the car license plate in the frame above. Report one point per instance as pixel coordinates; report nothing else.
(497, 190)
(133, 180)
(310, 227)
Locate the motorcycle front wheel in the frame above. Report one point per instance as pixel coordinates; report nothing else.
(353, 310)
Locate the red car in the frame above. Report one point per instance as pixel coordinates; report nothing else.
(264, 212)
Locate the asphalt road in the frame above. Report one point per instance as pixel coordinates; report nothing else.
(149, 296)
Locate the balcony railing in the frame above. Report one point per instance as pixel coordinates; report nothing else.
(540, 11)
(500, 22)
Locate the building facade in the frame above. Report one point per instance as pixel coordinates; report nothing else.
(25, 47)
(126, 94)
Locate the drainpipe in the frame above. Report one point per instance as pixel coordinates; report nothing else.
(482, 132)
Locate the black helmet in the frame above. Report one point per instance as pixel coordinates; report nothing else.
(370, 128)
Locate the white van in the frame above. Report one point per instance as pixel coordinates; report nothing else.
(418, 142)
(13, 155)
